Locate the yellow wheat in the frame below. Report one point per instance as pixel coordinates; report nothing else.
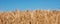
(30, 17)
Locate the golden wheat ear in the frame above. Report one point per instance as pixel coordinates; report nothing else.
(28, 17)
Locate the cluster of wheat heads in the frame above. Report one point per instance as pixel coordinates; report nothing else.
(30, 17)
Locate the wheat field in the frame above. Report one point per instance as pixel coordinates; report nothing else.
(30, 17)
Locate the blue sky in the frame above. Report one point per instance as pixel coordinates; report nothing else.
(8, 5)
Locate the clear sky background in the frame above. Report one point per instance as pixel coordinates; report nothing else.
(8, 5)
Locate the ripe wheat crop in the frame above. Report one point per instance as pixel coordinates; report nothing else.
(30, 17)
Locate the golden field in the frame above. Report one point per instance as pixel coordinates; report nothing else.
(30, 17)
